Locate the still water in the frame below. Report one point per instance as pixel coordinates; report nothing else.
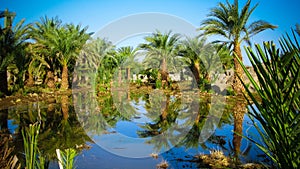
(122, 129)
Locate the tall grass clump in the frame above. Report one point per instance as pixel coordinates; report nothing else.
(30, 138)
(277, 99)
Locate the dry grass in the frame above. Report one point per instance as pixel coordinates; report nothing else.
(7, 160)
(162, 165)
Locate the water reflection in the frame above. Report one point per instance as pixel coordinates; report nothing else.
(60, 128)
(134, 124)
(238, 116)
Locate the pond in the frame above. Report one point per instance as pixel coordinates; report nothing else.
(122, 129)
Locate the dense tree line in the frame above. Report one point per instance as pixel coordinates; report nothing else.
(44, 53)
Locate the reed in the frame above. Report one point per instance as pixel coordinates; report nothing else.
(30, 139)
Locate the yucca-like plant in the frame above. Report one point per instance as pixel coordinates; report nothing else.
(277, 102)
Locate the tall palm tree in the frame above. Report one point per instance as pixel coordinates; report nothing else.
(228, 21)
(12, 45)
(67, 42)
(162, 47)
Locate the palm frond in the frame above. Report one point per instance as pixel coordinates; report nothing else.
(278, 91)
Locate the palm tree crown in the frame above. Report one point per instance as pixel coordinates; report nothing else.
(231, 23)
(162, 47)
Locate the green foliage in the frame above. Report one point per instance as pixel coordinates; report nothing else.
(277, 106)
(230, 91)
(139, 82)
(158, 84)
(59, 44)
(66, 158)
(231, 22)
(161, 52)
(12, 50)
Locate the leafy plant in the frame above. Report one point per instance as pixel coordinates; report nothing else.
(66, 158)
(277, 105)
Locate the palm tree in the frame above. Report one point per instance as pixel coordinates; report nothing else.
(12, 46)
(60, 45)
(92, 62)
(129, 53)
(68, 42)
(229, 22)
(162, 47)
(42, 33)
(191, 50)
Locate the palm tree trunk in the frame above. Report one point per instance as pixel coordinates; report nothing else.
(65, 106)
(164, 108)
(164, 75)
(119, 76)
(64, 78)
(3, 82)
(238, 116)
(128, 74)
(237, 84)
(196, 72)
(207, 84)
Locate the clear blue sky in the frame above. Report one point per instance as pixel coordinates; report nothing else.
(97, 13)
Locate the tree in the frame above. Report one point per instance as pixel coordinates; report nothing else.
(231, 23)
(129, 53)
(67, 44)
(92, 62)
(42, 33)
(60, 45)
(12, 45)
(161, 47)
(192, 48)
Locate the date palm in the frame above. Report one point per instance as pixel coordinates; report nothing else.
(91, 63)
(60, 45)
(12, 45)
(191, 50)
(42, 33)
(67, 42)
(161, 47)
(228, 21)
(129, 53)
